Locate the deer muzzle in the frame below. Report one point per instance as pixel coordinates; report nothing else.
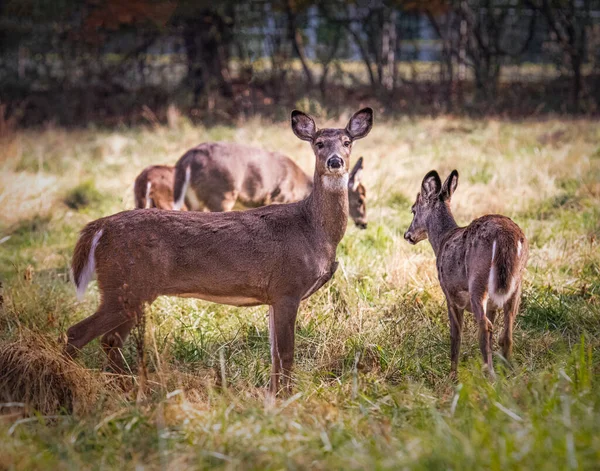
(335, 162)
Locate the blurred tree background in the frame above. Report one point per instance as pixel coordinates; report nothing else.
(114, 62)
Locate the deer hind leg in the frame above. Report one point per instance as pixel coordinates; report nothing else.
(282, 324)
(490, 311)
(113, 341)
(108, 317)
(455, 314)
(479, 305)
(511, 308)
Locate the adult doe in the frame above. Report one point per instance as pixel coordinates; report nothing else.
(213, 176)
(480, 267)
(276, 255)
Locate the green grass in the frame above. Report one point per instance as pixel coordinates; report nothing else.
(372, 352)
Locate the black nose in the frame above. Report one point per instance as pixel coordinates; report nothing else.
(408, 236)
(335, 162)
(361, 225)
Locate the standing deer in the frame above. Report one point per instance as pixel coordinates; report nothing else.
(480, 267)
(276, 255)
(153, 187)
(215, 175)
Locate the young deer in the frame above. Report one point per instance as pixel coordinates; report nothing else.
(276, 255)
(153, 187)
(480, 267)
(215, 175)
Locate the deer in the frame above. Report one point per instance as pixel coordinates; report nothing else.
(275, 255)
(480, 267)
(214, 176)
(153, 187)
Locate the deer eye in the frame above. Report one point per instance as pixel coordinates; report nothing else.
(319, 145)
(347, 143)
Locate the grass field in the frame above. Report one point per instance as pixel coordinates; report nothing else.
(372, 354)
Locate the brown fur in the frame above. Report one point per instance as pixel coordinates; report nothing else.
(275, 255)
(473, 274)
(225, 173)
(161, 179)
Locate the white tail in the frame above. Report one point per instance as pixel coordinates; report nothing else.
(186, 183)
(86, 275)
(148, 199)
(497, 294)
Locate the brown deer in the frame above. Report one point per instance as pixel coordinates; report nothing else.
(215, 175)
(480, 267)
(153, 187)
(276, 255)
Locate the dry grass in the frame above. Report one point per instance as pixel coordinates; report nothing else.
(37, 377)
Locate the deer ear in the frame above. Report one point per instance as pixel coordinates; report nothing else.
(431, 186)
(356, 175)
(303, 125)
(360, 124)
(449, 186)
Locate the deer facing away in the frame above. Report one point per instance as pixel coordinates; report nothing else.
(213, 176)
(276, 255)
(153, 187)
(480, 266)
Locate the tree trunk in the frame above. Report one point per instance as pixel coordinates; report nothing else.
(298, 44)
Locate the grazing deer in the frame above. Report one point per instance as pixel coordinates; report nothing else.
(215, 175)
(480, 267)
(276, 255)
(153, 187)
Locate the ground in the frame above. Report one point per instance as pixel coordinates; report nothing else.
(372, 356)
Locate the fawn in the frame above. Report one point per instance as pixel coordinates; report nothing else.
(480, 267)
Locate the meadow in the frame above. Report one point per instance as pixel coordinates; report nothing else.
(372, 354)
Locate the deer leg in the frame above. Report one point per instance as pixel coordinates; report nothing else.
(490, 311)
(107, 318)
(455, 314)
(113, 341)
(282, 323)
(511, 308)
(478, 304)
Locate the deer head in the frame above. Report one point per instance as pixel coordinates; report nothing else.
(332, 147)
(432, 205)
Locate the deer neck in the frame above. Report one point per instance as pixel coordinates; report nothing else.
(439, 227)
(327, 206)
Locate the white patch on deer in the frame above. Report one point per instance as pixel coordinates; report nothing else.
(498, 298)
(148, 199)
(519, 248)
(335, 183)
(87, 273)
(179, 203)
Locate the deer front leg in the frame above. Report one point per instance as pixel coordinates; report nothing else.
(282, 324)
(455, 315)
(478, 304)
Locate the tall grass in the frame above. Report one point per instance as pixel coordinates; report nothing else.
(372, 355)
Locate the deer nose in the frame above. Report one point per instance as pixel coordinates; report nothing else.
(361, 225)
(335, 161)
(408, 237)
